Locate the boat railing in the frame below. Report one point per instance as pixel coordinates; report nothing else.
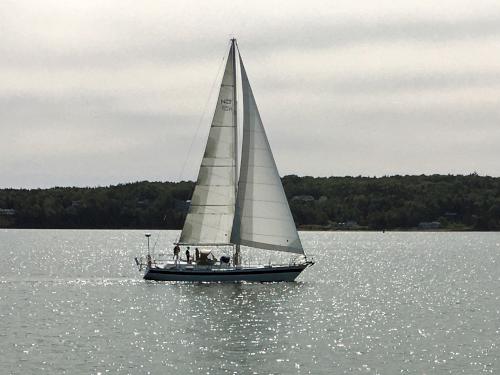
(182, 263)
(301, 259)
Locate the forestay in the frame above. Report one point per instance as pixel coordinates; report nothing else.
(263, 218)
(210, 216)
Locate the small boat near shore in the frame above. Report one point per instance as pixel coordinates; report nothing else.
(234, 203)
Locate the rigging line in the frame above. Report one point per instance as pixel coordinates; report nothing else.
(156, 242)
(202, 117)
(159, 233)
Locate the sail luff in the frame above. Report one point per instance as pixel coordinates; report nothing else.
(263, 218)
(237, 257)
(235, 117)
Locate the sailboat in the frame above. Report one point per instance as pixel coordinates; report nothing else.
(227, 211)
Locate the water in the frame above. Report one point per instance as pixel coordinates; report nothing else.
(72, 302)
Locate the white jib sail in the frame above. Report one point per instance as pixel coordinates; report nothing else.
(263, 218)
(211, 214)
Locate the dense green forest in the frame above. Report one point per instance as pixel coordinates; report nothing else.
(469, 202)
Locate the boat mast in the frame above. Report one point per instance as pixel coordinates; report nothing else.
(236, 259)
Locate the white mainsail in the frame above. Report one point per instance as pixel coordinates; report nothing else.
(210, 217)
(263, 218)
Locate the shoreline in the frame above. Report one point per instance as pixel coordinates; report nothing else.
(299, 229)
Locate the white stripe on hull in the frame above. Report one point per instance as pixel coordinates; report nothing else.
(253, 275)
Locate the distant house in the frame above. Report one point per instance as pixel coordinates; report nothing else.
(76, 204)
(7, 211)
(182, 206)
(350, 224)
(143, 203)
(303, 198)
(451, 216)
(429, 225)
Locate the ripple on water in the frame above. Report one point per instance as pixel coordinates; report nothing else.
(72, 302)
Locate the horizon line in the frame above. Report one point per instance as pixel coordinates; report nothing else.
(288, 175)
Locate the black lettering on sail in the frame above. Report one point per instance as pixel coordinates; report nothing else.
(226, 104)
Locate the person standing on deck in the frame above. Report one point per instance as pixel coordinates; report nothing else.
(188, 256)
(177, 250)
(197, 254)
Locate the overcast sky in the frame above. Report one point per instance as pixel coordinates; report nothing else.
(105, 92)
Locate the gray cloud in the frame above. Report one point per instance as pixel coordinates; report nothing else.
(337, 34)
(119, 42)
(389, 83)
(99, 93)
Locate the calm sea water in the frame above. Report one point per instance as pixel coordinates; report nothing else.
(72, 302)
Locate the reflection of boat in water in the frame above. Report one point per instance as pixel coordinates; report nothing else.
(227, 212)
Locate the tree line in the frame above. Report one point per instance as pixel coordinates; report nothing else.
(470, 202)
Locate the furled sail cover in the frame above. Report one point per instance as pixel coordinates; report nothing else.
(263, 218)
(211, 214)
